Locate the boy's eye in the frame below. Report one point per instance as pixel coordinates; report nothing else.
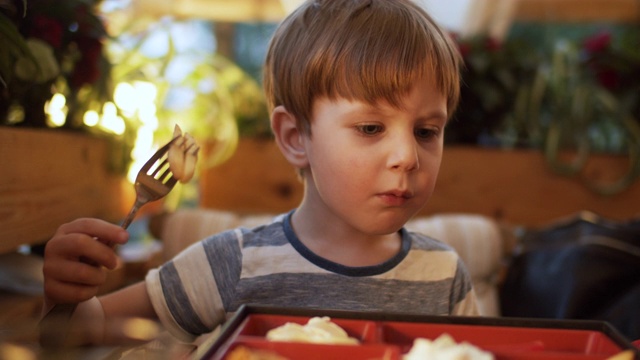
(369, 129)
(425, 133)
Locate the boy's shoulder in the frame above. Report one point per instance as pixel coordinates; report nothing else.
(270, 233)
(424, 242)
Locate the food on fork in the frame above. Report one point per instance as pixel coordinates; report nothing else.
(183, 155)
(445, 348)
(319, 330)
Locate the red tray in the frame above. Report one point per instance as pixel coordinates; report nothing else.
(389, 336)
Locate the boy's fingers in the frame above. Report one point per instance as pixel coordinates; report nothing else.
(77, 273)
(102, 230)
(79, 248)
(61, 292)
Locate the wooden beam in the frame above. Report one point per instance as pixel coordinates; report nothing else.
(559, 11)
(518, 186)
(563, 11)
(218, 10)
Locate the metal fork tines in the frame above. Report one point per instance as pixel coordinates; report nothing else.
(154, 181)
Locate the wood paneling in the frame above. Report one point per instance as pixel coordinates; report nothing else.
(257, 178)
(51, 177)
(578, 10)
(515, 186)
(272, 10)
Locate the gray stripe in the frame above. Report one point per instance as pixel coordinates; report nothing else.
(342, 292)
(225, 261)
(178, 302)
(268, 235)
(459, 292)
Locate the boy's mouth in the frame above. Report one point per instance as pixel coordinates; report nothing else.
(396, 197)
(405, 194)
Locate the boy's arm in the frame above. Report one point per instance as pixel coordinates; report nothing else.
(125, 307)
(76, 261)
(122, 317)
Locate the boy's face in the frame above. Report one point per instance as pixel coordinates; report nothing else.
(372, 168)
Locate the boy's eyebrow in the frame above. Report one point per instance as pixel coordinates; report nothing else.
(368, 109)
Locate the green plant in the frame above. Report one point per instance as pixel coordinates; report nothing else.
(587, 111)
(188, 83)
(51, 47)
(580, 97)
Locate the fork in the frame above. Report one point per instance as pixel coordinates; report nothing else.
(154, 181)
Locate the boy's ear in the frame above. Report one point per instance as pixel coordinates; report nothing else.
(288, 137)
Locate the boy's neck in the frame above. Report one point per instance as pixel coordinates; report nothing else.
(338, 243)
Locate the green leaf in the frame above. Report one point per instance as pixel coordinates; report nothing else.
(10, 33)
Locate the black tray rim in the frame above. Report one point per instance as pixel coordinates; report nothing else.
(229, 328)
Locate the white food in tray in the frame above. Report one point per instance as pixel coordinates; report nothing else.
(319, 330)
(445, 348)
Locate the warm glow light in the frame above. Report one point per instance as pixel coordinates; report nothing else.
(57, 118)
(56, 110)
(58, 101)
(114, 124)
(91, 118)
(140, 329)
(146, 92)
(110, 119)
(12, 351)
(290, 5)
(147, 115)
(144, 144)
(125, 97)
(109, 109)
(139, 99)
(142, 150)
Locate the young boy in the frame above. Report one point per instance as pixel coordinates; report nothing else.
(360, 92)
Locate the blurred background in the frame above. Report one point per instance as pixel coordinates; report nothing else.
(548, 125)
(544, 75)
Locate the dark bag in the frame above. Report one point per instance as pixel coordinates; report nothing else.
(585, 268)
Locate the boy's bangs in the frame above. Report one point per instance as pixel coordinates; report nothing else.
(387, 76)
(382, 59)
(363, 50)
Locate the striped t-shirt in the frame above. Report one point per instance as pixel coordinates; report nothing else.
(268, 265)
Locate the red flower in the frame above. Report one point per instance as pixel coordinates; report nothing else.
(47, 29)
(464, 48)
(598, 42)
(608, 77)
(87, 69)
(492, 44)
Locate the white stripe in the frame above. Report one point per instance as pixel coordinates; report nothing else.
(152, 281)
(269, 260)
(422, 265)
(419, 265)
(239, 236)
(201, 287)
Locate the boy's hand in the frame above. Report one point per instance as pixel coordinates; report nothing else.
(77, 257)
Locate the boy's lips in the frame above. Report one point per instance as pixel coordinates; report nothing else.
(395, 197)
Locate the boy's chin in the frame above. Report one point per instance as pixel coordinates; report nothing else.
(388, 225)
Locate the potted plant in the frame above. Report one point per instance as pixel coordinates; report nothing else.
(51, 47)
(54, 167)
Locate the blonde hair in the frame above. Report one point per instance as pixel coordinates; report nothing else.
(365, 50)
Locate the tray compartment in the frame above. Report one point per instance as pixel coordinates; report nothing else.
(293, 351)
(390, 336)
(259, 325)
(503, 340)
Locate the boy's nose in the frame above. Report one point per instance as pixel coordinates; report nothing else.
(404, 155)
